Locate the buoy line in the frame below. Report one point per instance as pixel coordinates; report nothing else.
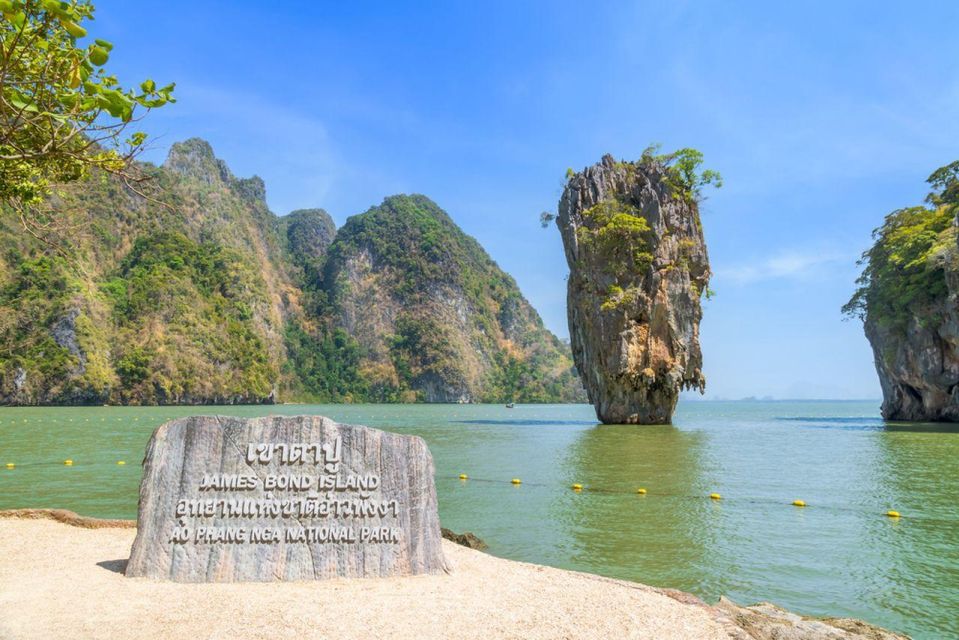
(892, 514)
(69, 462)
(712, 497)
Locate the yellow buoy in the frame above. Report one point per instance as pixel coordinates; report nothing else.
(799, 503)
(893, 514)
(577, 487)
(641, 491)
(10, 465)
(68, 462)
(121, 462)
(463, 476)
(715, 496)
(516, 481)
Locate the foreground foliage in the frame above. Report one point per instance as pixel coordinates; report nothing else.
(62, 114)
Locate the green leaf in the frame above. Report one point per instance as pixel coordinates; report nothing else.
(137, 139)
(98, 56)
(74, 29)
(104, 44)
(22, 102)
(148, 86)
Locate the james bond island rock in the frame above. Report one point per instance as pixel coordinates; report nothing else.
(284, 498)
(638, 268)
(908, 300)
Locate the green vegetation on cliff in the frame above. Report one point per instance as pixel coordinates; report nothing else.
(904, 272)
(682, 170)
(325, 365)
(203, 295)
(616, 229)
(143, 301)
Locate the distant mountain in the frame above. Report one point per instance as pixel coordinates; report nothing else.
(435, 318)
(200, 294)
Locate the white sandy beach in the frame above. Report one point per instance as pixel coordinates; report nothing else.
(63, 581)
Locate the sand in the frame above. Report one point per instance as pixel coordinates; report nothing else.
(59, 580)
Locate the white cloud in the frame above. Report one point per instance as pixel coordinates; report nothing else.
(291, 150)
(787, 264)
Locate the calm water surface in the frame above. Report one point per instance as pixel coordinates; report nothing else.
(840, 556)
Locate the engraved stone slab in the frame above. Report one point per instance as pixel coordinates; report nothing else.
(227, 499)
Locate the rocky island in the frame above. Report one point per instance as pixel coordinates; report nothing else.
(908, 300)
(638, 268)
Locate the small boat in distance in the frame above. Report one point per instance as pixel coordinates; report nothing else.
(510, 405)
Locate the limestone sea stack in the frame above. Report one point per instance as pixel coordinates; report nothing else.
(638, 268)
(908, 299)
(918, 366)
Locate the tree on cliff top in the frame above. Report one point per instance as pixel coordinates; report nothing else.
(945, 184)
(61, 114)
(682, 170)
(903, 270)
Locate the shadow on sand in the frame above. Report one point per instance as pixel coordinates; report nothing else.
(116, 566)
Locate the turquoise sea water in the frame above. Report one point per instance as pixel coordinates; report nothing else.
(840, 556)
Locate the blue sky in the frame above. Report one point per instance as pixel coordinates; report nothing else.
(821, 116)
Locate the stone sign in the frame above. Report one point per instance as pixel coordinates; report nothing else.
(227, 499)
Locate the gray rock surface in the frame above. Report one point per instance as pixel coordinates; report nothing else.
(185, 453)
(64, 333)
(194, 158)
(466, 539)
(19, 379)
(766, 621)
(634, 323)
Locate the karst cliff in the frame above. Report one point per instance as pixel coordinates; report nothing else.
(434, 317)
(908, 300)
(194, 292)
(638, 268)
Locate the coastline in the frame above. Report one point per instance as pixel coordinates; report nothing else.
(61, 575)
